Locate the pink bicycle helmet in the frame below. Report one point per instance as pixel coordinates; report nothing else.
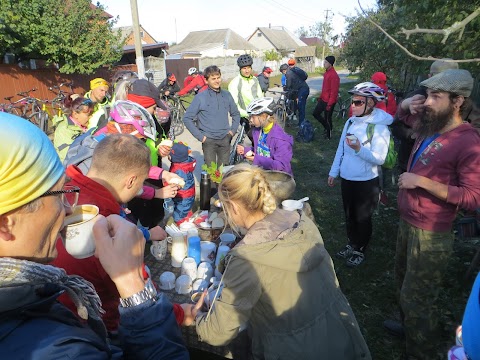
(368, 89)
(128, 112)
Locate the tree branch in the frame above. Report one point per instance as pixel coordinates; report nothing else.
(457, 26)
(428, 58)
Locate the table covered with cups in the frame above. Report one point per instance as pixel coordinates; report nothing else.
(187, 265)
(182, 278)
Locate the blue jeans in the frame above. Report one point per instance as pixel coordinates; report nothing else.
(303, 93)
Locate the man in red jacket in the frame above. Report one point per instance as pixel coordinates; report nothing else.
(196, 84)
(443, 175)
(120, 164)
(328, 97)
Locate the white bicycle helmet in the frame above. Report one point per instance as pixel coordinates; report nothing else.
(368, 89)
(128, 112)
(261, 105)
(192, 70)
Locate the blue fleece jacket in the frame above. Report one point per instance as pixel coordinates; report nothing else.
(211, 109)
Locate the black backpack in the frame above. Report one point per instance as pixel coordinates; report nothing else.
(300, 73)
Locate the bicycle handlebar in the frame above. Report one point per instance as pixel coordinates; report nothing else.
(27, 93)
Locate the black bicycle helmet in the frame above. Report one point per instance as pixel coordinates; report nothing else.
(244, 60)
(283, 67)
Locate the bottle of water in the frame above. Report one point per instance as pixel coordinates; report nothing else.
(168, 206)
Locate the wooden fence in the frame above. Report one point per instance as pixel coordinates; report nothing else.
(15, 80)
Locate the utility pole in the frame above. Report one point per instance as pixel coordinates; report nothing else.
(138, 40)
(325, 32)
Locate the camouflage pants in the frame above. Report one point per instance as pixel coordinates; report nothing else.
(420, 262)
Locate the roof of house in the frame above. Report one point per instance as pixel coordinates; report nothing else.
(126, 31)
(104, 13)
(304, 51)
(312, 40)
(145, 47)
(207, 39)
(280, 37)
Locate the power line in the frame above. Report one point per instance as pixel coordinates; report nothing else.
(290, 11)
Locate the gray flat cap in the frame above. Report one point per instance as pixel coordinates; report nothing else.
(456, 81)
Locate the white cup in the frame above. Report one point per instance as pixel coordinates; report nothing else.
(199, 285)
(179, 251)
(207, 251)
(221, 252)
(189, 267)
(167, 280)
(192, 232)
(159, 249)
(183, 285)
(79, 240)
(227, 239)
(204, 271)
(292, 205)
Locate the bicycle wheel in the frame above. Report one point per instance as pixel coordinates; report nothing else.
(280, 115)
(234, 158)
(177, 127)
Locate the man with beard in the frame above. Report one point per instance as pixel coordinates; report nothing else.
(443, 175)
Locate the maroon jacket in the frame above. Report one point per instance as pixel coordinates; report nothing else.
(452, 159)
(330, 86)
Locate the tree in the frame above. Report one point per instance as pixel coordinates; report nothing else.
(68, 33)
(367, 49)
(272, 55)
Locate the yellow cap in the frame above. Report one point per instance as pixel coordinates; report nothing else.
(98, 82)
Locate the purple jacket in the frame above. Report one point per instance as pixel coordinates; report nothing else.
(281, 152)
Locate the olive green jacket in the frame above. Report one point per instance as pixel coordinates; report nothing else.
(280, 282)
(65, 132)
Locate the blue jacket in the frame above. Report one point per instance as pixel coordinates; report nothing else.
(281, 150)
(33, 325)
(211, 110)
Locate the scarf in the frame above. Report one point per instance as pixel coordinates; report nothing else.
(14, 272)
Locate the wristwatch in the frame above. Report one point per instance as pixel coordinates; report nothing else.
(149, 292)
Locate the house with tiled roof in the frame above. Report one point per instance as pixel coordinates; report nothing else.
(276, 38)
(211, 43)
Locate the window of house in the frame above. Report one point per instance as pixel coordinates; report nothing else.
(259, 34)
(141, 34)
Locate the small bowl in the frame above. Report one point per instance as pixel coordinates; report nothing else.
(292, 205)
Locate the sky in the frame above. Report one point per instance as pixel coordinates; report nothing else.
(172, 20)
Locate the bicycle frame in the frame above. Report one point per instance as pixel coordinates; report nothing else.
(235, 158)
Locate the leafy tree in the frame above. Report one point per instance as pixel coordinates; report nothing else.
(367, 49)
(272, 55)
(68, 33)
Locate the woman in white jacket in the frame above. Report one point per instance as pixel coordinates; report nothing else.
(359, 154)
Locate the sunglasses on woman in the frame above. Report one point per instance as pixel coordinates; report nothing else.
(358, 102)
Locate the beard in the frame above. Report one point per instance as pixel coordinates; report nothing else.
(433, 121)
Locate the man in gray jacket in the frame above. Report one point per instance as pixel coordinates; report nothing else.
(211, 109)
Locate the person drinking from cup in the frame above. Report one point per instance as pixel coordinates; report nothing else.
(357, 161)
(33, 204)
(120, 164)
(281, 250)
(272, 147)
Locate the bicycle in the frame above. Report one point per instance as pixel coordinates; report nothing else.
(341, 107)
(34, 110)
(178, 106)
(14, 107)
(284, 108)
(235, 158)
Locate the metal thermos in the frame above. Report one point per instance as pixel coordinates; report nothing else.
(205, 191)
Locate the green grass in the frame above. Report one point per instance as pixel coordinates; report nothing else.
(370, 287)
